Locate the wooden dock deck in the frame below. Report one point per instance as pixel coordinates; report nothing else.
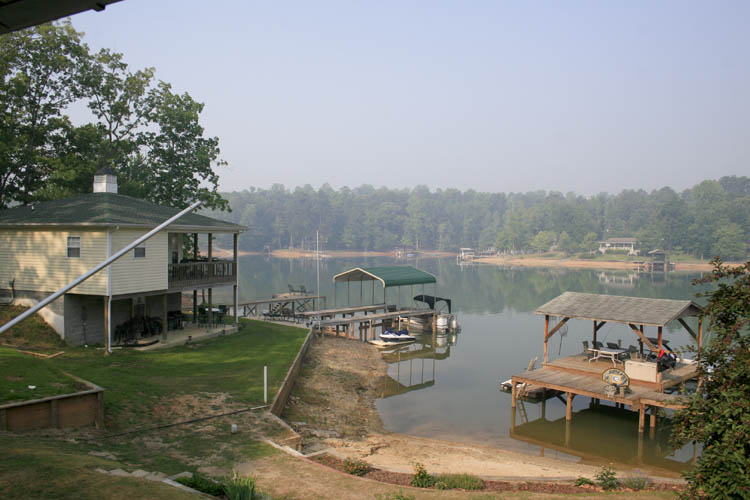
(291, 303)
(575, 376)
(368, 323)
(343, 311)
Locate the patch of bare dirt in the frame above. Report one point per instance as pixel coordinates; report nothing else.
(190, 406)
(334, 395)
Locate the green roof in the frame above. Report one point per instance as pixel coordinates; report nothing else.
(387, 275)
(107, 209)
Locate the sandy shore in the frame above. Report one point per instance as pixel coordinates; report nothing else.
(305, 254)
(333, 407)
(581, 264)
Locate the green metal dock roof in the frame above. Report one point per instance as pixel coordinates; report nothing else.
(387, 275)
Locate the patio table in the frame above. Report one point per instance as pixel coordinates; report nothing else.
(607, 352)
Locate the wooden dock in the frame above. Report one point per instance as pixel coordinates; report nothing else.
(323, 314)
(366, 324)
(575, 376)
(284, 305)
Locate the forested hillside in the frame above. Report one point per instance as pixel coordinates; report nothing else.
(711, 218)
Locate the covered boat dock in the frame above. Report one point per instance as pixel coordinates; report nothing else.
(581, 375)
(385, 278)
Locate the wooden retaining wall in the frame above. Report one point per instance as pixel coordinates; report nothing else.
(66, 410)
(279, 401)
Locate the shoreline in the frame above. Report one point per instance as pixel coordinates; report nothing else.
(332, 407)
(583, 264)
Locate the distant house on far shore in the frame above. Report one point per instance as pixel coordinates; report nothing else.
(628, 244)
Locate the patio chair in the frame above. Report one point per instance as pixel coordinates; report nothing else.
(221, 314)
(586, 349)
(612, 345)
(202, 315)
(634, 353)
(598, 345)
(302, 289)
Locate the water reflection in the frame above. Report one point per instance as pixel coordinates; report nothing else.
(602, 433)
(412, 367)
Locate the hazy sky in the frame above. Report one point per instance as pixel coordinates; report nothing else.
(494, 96)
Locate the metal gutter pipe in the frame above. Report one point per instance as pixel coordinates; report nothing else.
(97, 268)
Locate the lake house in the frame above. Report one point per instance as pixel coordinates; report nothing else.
(46, 245)
(621, 244)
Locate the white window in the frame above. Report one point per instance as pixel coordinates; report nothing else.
(74, 246)
(139, 252)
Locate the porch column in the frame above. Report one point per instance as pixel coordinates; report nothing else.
(195, 305)
(236, 280)
(210, 256)
(546, 331)
(164, 318)
(210, 306)
(196, 253)
(107, 333)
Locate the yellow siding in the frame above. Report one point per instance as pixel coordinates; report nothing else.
(38, 261)
(133, 275)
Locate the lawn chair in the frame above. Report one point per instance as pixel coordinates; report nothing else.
(302, 289)
(613, 345)
(202, 315)
(598, 345)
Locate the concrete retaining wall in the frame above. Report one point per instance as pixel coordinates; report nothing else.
(279, 401)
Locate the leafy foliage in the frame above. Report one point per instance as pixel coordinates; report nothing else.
(239, 487)
(422, 478)
(140, 128)
(718, 415)
(581, 481)
(202, 484)
(356, 467)
(635, 482)
(607, 478)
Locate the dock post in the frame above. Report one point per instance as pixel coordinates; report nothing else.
(641, 418)
(569, 406)
(652, 418)
(567, 433)
(513, 395)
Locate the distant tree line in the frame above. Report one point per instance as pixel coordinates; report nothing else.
(711, 218)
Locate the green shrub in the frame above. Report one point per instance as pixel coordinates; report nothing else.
(356, 467)
(635, 482)
(458, 481)
(202, 484)
(239, 488)
(394, 496)
(421, 478)
(607, 478)
(581, 481)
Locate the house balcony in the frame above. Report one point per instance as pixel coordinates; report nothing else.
(202, 274)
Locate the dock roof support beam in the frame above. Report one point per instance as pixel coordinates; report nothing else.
(643, 337)
(546, 338)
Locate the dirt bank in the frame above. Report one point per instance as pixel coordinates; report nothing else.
(581, 264)
(333, 406)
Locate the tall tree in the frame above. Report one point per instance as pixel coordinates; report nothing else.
(39, 69)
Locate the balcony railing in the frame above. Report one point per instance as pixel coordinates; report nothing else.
(202, 273)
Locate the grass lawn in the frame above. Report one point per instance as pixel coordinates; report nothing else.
(136, 382)
(144, 390)
(22, 371)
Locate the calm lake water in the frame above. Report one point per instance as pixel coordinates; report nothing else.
(449, 388)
